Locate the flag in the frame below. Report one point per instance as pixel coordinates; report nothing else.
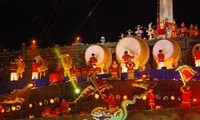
(144, 85)
(186, 73)
(89, 90)
(100, 84)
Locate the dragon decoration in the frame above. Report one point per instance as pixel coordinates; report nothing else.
(116, 113)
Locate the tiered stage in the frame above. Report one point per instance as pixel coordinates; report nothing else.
(163, 90)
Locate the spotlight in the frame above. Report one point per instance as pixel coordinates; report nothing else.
(51, 101)
(125, 97)
(144, 97)
(13, 108)
(30, 105)
(40, 103)
(96, 96)
(77, 90)
(172, 97)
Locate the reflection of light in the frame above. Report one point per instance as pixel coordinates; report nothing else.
(158, 106)
(2, 111)
(125, 97)
(158, 96)
(35, 104)
(30, 85)
(51, 101)
(30, 105)
(144, 97)
(7, 109)
(18, 107)
(56, 99)
(144, 76)
(165, 98)
(179, 99)
(96, 96)
(194, 100)
(172, 97)
(118, 97)
(45, 102)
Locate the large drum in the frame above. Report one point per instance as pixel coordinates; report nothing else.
(193, 49)
(136, 47)
(171, 50)
(103, 55)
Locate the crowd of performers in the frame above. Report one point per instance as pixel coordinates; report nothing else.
(115, 69)
(115, 74)
(165, 29)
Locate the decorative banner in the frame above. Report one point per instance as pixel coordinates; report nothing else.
(186, 73)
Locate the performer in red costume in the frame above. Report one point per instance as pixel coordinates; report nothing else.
(191, 30)
(59, 70)
(34, 70)
(47, 112)
(127, 58)
(162, 25)
(196, 55)
(130, 70)
(114, 70)
(151, 98)
(56, 112)
(93, 60)
(186, 96)
(196, 31)
(64, 107)
(183, 30)
(161, 58)
(174, 30)
(110, 99)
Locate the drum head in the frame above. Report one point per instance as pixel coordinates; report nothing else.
(129, 44)
(165, 45)
(193, 49)
(97, 50)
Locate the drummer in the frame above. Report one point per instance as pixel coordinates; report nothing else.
(127, 58)
(93, 60)
(161, 58)
(196, 56)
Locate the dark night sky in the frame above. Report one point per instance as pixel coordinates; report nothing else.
(58, 21)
